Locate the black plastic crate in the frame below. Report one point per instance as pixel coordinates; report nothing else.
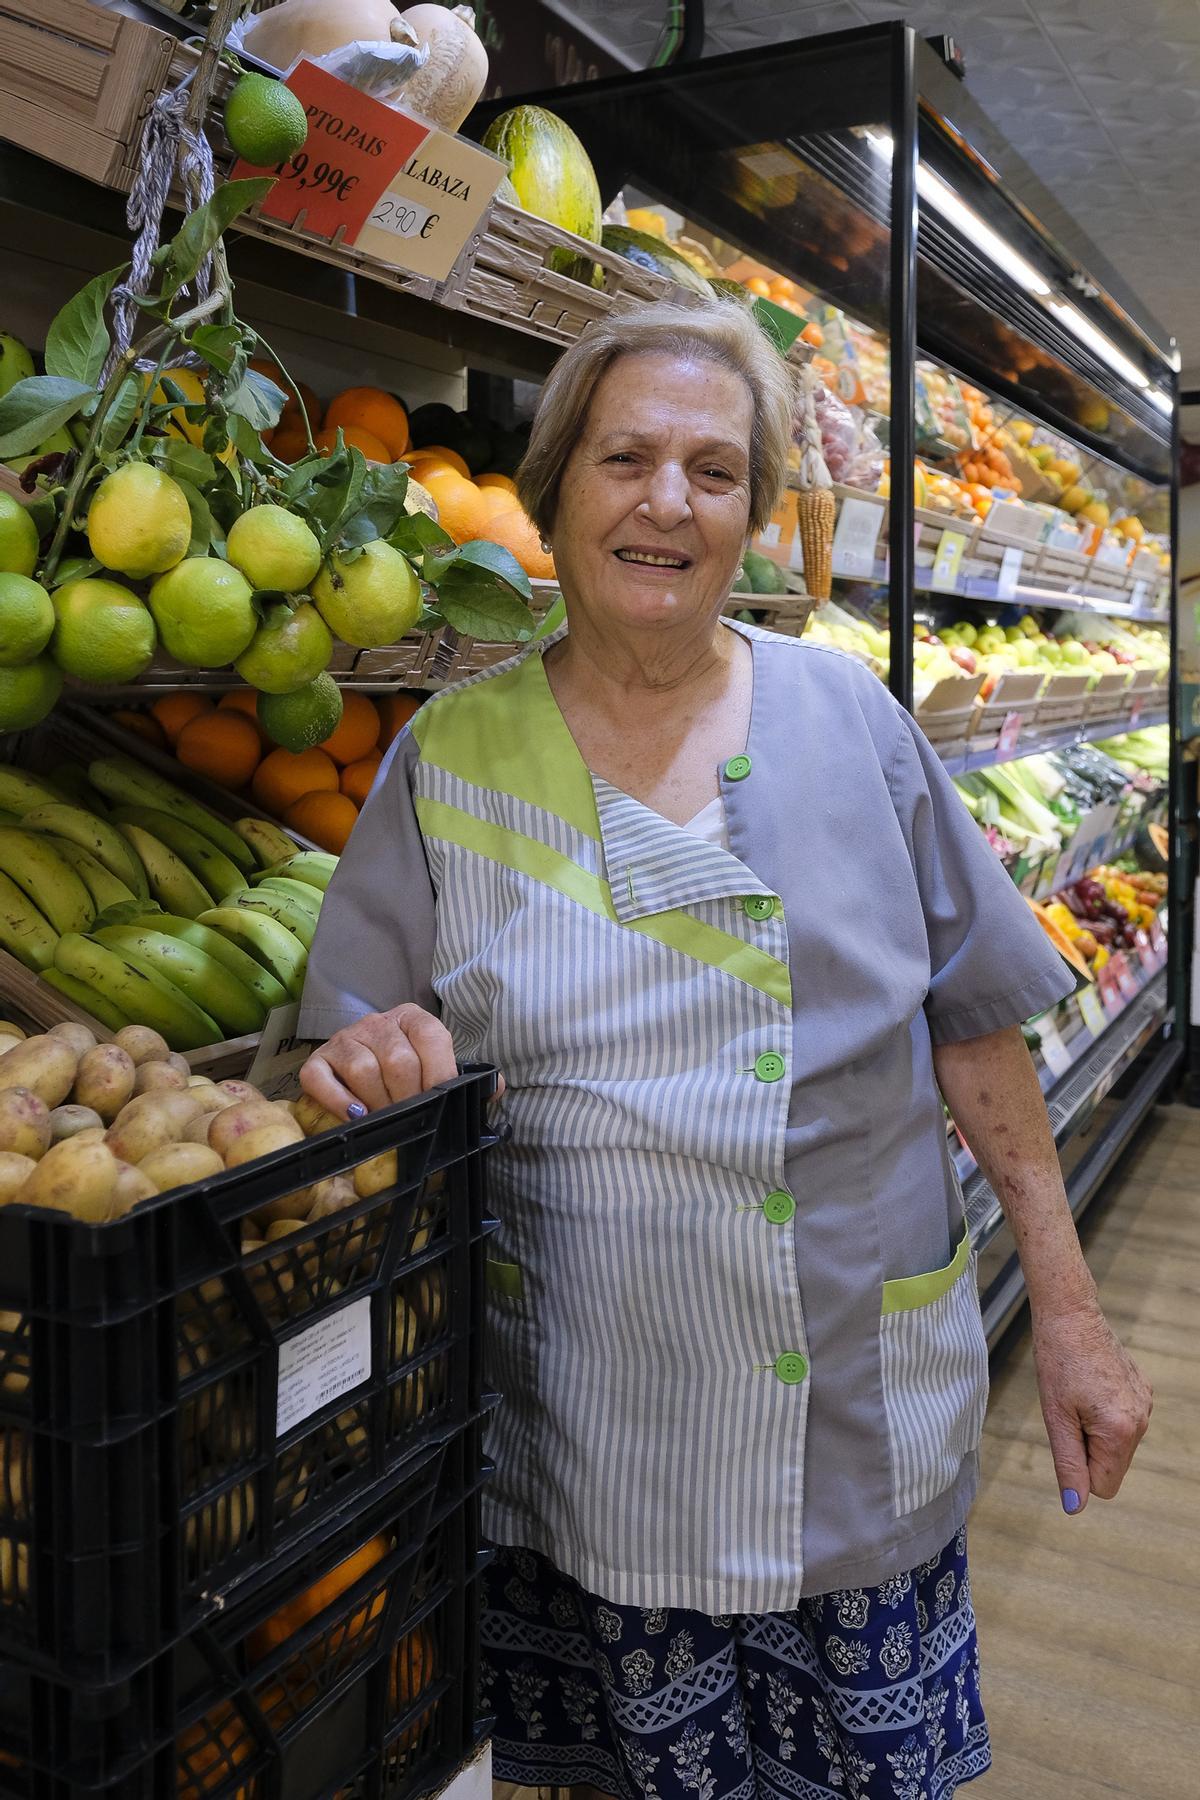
(175, 1412)
(353, 1663)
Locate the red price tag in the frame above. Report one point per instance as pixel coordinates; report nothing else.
(1145, 950)
(1127, 981)
(1110, 993)
(356, 147)
(1010, 731)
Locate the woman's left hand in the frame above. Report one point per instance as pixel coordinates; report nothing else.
(1095, 1400)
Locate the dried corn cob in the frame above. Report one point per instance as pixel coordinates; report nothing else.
(814, 514)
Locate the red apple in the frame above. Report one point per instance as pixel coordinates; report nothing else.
(963, 657)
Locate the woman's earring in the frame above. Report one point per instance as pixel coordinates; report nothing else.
(545, 543)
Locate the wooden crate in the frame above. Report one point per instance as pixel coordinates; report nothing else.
(1017, 691)
(947, 712)
(1063, 700)
(1109, 701)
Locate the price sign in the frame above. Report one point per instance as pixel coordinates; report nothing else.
(944, 579)
(355, 147)
(1010, 731)
(855, 537)
(1010, 573)
(1054, 1052)
(1127, 981)
(1146, 952)
(433, 205)
(1111, 997)
(1091, 1011)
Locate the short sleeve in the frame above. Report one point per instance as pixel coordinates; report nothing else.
(374, 945)
(991, 964)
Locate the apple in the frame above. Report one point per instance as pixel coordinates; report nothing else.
(964, 658)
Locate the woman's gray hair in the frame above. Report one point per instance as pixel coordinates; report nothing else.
(720, 331)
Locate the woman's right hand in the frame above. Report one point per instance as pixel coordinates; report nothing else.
(380, 1058)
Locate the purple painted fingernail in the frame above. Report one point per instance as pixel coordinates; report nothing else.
(356, 1110)
(1070, 1500)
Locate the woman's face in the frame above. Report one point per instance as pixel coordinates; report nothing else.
(654, 504)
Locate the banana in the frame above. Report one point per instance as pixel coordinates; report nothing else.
(91, 1000)
(298, 920)
(51, 883)
(96, 836)
(171, 881)
(24, 933)
(265, 938)
(20, 792)
(143, 995)
(267, 841)
(210, 865)
(72, 778)
(200, 976)
(309, 898)
(315, 867)
(121, 779)
(104, 887)
(248, 970)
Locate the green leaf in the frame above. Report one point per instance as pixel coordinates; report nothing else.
(78, 341)
(249, 444)
(499, 562)
(34, 408)
(217, 344)
(44, 514)
(72, 569)
(183, 460)
(202, 229)
(121, 414)
(203, 524)
(382, 505)
(257, 400)
(480, 606)
(416, 534)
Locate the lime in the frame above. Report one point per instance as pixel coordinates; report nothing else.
(264, 121)
(19, 538)
(104, 632)
(273, 548)
(28, 693)
(26, 620)
(204, 612)
(139, 522)
(299, 721)
(370, 601)
(289, 649)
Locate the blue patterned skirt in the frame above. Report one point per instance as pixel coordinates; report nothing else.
(866, 1694)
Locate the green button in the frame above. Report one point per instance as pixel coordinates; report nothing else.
(737, 768)
(779, 1207)
(768, 1066)
(758, 906)
(791, 1368)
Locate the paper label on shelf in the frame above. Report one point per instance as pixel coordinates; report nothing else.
(281, 1055)
(855, 537)
(1158, 943)
(1010, 731)
(1127, 981)
(1055, 1054)
(434, 204)
(1091, 1011)
(322, 1363)
(949, 555)
(1135, 714)
(355, 148)
(1010, 573)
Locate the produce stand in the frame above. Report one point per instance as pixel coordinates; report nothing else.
(150, 1363)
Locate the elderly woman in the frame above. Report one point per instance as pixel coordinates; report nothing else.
(708, 901)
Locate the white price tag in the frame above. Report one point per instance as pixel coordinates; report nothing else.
(322, 1363)
(1091, 1010)
(855, 537)
(404, 218)
(1010, 731)
(281, 1055)
(1055, 1054)
(944, 579)
(1010, 573)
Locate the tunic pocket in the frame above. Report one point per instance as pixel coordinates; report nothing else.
(935, 1377)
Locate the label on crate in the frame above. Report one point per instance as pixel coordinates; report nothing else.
(322, 1363)
(944, 579)
(281, 1055)
(1091, 1011)
(1010, 731)
(1127, 981)
(355, 147)
(856, 536)
(1010, 573)
(1055, 1054)
(434, 204)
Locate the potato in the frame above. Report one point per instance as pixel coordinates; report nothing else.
(8, 1042)
(16, 1375)
(431, 1299)
(131, 1186)
(143, 1044)
(238, 1091)
(8, 1029)
(312, 1117)
(68, 1121)
(15, 1171)
(75, 1177)
(105, 1080)
(222, 1525)
(197, 1131)
(15, 1458)
(45, 1064)
(282, 1228)
(233, 1122)
(273, 1134)
(148, 1122)
(152, 1077)
(377, 1173)
(24, 1122)
(71, 1032)
(406, 1330)
(252, 1242)
(90, 1134)
(331, 1196)
(206, 1093)
(175, 1165)
(14, 1569)
(179, 1063)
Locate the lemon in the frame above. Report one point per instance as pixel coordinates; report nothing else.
(370, 601)
(177, 423)
(138, 522)
(289, 649)
(264, 121)
(26, 620)
(103, 632)
(273, 548)
(301, 720)
(28, 693)
(204, 612)
(19, 538)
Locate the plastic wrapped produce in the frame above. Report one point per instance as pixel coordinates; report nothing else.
(852, 452)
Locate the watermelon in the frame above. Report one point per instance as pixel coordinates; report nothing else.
(653, 254)
(552, 175)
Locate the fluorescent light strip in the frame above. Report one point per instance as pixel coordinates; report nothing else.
(1164, 402)
(1089, 334)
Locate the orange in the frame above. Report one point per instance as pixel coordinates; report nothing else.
(357, 777)
(373, 410)
(328, 819)
(462, 509)
(296, 1613)
(222, 745)
(443, 454)
(295, 391)
(143, 726)
(756, 285)
(494, 500)
(395, 710)
(284, 775)
(245, 700)
(516, 532)
(289, 443)
(491, 480)
(174, 710)
(354, 437)
(357, 733)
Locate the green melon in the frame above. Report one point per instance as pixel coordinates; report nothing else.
(552, 175)
(656, 255)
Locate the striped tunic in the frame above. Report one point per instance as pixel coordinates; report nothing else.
(733, 1311)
